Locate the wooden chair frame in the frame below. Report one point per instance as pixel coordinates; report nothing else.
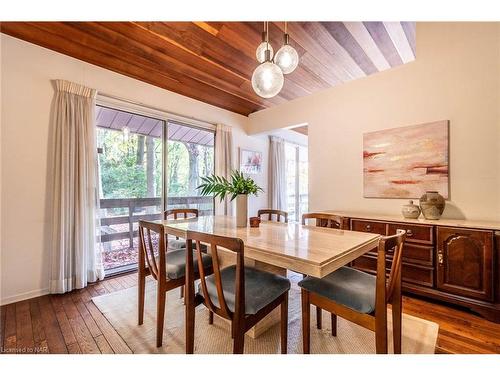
(331, 221)
(269, 212)
(183, 212)
(240, 322)
(387, 291)
(149, 266)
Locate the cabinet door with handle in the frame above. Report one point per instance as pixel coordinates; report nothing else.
(465, 262)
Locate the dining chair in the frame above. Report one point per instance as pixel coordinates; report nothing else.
(360, 297)
(167, 267)
(325, 220)
(241, 294)
(179, 213)
(270, 212)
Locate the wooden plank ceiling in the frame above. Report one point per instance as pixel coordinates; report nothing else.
(213, 61)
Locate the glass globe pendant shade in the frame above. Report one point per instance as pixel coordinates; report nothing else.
(287, 57)
(267, 79)
(260, 53)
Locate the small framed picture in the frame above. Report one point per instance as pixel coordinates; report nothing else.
(250, 161)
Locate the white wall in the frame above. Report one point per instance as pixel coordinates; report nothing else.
(26, 96)
(456, 77)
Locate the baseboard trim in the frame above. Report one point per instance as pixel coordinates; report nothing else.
(24, 296)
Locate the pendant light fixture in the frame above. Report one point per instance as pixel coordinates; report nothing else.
(287, 57)
(260, 53)
(267, 78)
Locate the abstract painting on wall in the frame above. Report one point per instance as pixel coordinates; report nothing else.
(406, 162)
(250, 161)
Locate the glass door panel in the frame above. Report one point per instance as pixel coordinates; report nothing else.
(190, 157)
(130, 182)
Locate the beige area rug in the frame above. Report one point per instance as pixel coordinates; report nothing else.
(120, 308)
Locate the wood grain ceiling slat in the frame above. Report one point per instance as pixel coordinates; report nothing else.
(329, 44)
(398, 37)
(303, 38)
(409, 29)
(365, 40)
(311, 64)
(342, 35)
(384, 42)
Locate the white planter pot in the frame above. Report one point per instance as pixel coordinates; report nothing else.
(241, 210)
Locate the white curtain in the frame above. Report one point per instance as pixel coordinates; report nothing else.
(277, 174)
(76, 254)
(223, 163)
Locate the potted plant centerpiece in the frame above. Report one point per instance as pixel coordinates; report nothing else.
(238, 186)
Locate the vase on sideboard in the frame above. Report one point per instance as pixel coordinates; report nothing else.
(410, 211)
(241, 210)
(432, 205)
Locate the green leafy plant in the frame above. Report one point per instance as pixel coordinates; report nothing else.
(221, 187)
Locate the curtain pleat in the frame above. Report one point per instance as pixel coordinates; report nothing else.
(76, 253)
(277, 174)
(223, 163)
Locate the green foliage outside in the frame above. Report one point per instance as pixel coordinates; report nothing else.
(124, 166)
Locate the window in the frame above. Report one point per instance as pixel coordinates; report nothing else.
(134, 183)
(190, 157)
(297, 180)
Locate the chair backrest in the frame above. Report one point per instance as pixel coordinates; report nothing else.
(390, 245)
(228, 243)
(325, 220)
(270, 212)
(149, 245)
(181, 213)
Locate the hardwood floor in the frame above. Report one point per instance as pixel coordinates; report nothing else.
(71, 323)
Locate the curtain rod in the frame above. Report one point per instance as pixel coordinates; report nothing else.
(152, 107)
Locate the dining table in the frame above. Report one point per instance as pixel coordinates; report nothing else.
(275, 247)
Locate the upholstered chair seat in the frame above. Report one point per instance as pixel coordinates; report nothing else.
(261, 288)
(346, 286)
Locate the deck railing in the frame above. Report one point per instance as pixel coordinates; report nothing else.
(131, 210)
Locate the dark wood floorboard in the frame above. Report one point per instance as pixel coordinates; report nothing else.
(71, 323)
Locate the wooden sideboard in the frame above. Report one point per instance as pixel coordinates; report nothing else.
(456, 261)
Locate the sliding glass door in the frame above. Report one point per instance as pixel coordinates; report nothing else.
(190, 156)
(130, 150)
(135, 184)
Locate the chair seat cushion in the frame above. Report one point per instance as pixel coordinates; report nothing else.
(345, 286)
(176, 263)
(261, 288)
(174, 244)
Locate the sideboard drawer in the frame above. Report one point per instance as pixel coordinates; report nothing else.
(368, 226)
(414, 233)
(415, 274)
(418, 254)
(419, 275)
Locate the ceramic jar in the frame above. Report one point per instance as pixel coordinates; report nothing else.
(432, 205)
(410, 211)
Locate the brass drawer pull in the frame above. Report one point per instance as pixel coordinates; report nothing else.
(440, 257)
(368, 227)
(409, 233)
